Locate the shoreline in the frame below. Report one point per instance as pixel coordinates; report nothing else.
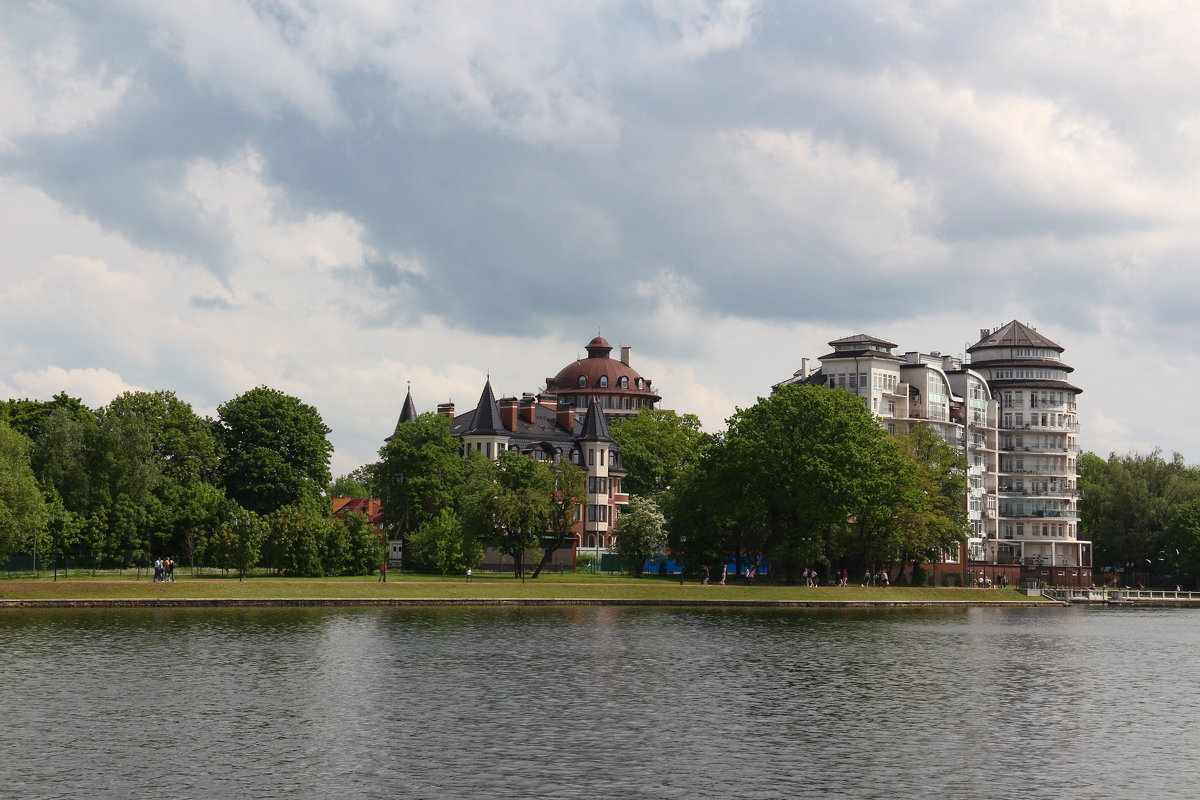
(369, 602)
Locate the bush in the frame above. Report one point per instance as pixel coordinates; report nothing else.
(585, 560)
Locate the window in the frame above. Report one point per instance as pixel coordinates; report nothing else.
(603, 381)
(602, 458)
(582, 381)
(591, 456)
(623, 382)
(639, 383)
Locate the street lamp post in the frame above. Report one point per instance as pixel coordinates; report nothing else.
(682, 542)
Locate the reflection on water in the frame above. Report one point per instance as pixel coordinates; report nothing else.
(595, 702)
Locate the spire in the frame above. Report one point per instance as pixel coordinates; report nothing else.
(408, 411)
(595, 425)
(487, 413)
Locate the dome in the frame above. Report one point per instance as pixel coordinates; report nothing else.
(598, 374)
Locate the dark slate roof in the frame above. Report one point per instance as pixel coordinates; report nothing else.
(861, 354)
(1014, 334)
(1021, 362)
(595, 426)
(409, 412)
(862, 337)
(487, 414)
(1024, 383)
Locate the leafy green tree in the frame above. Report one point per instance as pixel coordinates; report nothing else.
(418, 474)
(442, 544)
(366, 547)
(349, 486)
(238, 543)
(276, 450)
(29, 417)
(568, 484)
(296, 540)
(809, 459)
(23, 512)
(506, 503)
(656, 446)
(641, 532)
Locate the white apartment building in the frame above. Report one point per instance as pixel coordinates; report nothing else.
(1010, 412)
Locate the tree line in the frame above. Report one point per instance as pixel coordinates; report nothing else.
(1142, 513)
(146, 476)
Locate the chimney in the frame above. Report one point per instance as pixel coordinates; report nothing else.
(804, 368)
(625, 355)
(564, 415)
(529, 408)
(508, 412)
(984, 333)
(446, 410)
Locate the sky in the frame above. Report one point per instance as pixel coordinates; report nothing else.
(340, 199)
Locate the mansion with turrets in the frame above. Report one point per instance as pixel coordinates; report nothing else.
(1011, 411)
(568, 420)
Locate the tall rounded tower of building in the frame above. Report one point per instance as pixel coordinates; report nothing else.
(1036, 481)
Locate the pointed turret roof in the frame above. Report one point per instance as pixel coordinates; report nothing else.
(1014, 334)
(408, 412)
(595, 425)
(487, 413)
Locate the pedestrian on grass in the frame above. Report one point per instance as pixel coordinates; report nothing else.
(170, 567)
(706, 576)
(468, 574)
(383, 572)
(724, 572)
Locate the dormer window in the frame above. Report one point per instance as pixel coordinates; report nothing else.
(603, 381)
(582, 381)
(623, 382)
(639, 383)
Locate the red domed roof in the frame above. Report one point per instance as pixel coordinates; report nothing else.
(596, 366)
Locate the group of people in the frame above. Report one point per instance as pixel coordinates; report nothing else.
(879, 578)
(984, 582)
(164, 570)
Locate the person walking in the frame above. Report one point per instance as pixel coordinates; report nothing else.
(383, 572)
(468, 574)
(724, 572)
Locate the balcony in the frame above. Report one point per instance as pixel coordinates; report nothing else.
(1062, 513)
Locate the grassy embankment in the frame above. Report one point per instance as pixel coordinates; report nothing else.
(487, 586)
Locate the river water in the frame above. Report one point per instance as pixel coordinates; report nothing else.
(598, 702)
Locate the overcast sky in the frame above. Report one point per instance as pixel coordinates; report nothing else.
(336, 198)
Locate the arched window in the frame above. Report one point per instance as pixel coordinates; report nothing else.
(582, 381)
(639, 383)
(603, 381)
(623, 382)
(591, 540)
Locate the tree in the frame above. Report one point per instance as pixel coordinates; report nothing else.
(442, 544)
(640, 533)
(418, 474)
(569, 484)
(349, 486)
(656, 446)
(276, 450)
(365, 547)
(506, 503)
(296, 540)
(22, 510)
(237, 544)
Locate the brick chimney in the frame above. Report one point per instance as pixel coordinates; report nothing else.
(625, 350)
(529, 408)
(446, 410)
(508, 412)
(564, 415)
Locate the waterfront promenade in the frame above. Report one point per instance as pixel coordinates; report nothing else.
(483, 590)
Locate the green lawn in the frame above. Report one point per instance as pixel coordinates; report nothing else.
(488, 586)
